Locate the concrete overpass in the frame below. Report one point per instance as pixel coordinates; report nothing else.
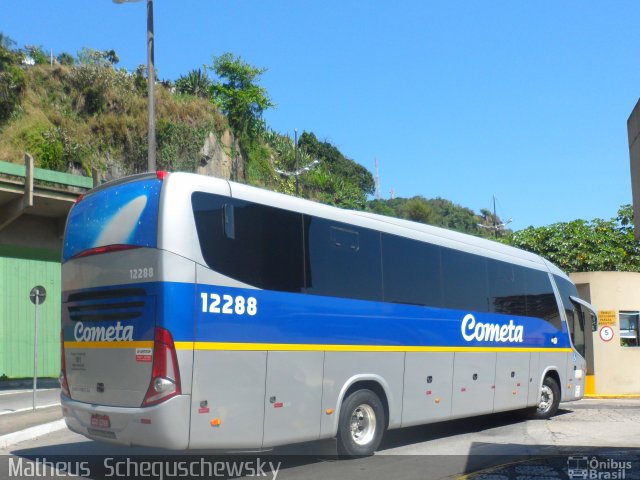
(34, 204)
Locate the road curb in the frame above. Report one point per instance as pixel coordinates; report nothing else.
(31, 433)
(611, 396)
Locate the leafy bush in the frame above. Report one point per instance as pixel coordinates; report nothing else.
(339, 165)
(66, 59)
(179, 145)
(12, 83)
(94, 100)
(195, 83)
(585, 246)
(37, 54)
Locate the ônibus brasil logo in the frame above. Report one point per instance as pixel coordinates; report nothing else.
(113, 333)
(490, 332)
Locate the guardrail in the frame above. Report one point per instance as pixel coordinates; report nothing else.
(44, 175)
(17, 206)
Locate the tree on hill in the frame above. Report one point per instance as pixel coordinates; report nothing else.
(239, 95)
(12, 79)
(339, 165)
(585, 246)
(6, 41)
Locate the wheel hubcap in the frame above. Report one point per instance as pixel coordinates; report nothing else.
(363, 424)
(546, 399)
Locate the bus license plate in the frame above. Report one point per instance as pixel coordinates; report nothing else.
(100, 421)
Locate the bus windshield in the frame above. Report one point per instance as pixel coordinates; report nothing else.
(125, 214)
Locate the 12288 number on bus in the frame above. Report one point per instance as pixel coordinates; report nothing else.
(228, 305)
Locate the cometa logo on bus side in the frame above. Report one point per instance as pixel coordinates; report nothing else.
(490, 332)
(113, 333)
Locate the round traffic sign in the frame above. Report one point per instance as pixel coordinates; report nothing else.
(38, 292)
(606, 333)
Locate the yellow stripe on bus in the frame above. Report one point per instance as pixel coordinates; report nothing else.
(300, 347)
(146, 344)
(351, 348)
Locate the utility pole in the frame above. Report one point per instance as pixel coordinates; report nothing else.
(495, 223)
(295, 148)
(495, 226)
(377, 179)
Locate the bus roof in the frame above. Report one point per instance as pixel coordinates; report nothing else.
(395, 226)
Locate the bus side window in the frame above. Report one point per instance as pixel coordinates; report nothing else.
(465, 281)
(411, 272)
(252, 243)
(506, 288)
(342, 260)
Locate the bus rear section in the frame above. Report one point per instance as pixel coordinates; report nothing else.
(123, 379)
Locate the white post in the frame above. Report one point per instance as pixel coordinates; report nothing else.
(35, 352)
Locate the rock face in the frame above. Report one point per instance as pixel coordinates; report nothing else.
(220, 157)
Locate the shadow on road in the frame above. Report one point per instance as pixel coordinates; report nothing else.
(317, 460)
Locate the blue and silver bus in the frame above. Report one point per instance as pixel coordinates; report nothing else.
(204, 314)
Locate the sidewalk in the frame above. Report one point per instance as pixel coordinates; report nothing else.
(26, 424)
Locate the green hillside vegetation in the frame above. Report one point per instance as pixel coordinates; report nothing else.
(441, 213)
(75, 117)
(83, 112)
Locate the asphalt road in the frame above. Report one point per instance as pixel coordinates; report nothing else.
(598, 435)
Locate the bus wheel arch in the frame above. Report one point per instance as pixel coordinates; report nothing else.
(550, 392)
(374, 383)
(362, 420)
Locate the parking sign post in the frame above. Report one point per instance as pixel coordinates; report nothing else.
(37, 295)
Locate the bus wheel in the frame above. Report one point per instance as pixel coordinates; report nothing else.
(361, 424)
(549, 399)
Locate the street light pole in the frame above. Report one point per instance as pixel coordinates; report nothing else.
(151, 84)
(151, 157)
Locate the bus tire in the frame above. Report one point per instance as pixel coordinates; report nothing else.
(549, 399)
(361, 425)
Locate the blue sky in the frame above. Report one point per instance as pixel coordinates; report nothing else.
(527, 101)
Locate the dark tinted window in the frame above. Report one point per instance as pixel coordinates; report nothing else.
(576, 314)
(342, 260)
(541, 301)
(255, 244)
(464, 280)
(506, 288)
(411, 271)
(567, 289)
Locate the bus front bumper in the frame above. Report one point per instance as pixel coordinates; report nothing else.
(165, 425)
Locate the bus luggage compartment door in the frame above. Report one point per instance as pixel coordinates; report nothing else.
(512, 380)
(227, 401)
(293, 397)
(473, 383)
(427, 387)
